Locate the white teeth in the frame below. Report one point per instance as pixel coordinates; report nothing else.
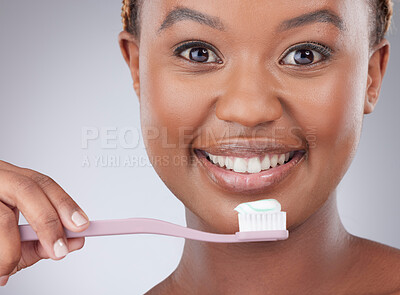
(221, 161)
(281, 159)
(265, 164)
(254, 165)
(239, 165)
(274, 160)
(229, 163)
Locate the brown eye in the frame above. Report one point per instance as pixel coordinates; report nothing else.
(306, 54)
(302, 57)
(200, 54)
(197, 53)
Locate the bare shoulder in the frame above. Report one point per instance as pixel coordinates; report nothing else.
(165, 287)
(376, 268)
(158, 289)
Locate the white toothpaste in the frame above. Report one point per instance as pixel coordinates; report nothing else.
(260, 206)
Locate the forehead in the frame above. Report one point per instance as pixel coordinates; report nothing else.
(255, 15)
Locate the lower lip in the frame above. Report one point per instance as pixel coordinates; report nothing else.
(249, 182)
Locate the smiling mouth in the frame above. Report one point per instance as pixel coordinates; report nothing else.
(250, 165)
(244, 173)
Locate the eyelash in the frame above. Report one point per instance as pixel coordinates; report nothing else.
(325, 51)
(322, 49)
(195, 44)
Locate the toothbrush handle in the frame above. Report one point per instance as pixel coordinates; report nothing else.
(155, 226)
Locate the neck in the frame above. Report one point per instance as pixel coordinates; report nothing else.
(315, 250)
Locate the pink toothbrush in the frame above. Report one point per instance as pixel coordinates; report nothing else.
(259, 226)
(154, 226)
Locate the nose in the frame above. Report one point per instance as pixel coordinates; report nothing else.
(249, 99)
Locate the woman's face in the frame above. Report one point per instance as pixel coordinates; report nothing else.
(255, 79)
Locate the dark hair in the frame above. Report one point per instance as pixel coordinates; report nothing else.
(380, 23)
(130, 16)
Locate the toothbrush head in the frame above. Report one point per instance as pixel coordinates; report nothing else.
(262, 219)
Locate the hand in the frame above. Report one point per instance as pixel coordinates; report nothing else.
(47, 208)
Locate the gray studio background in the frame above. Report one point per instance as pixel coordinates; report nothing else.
(61, 71)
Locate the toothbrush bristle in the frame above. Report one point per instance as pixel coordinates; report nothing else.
(262, 221)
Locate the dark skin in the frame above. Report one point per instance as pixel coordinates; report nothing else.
(249, 88)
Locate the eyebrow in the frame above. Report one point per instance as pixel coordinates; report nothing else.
(322, 16)
(183, 13)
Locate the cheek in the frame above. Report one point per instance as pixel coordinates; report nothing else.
(329, 110)
(173, 101)
(333, 110)
(173, 107)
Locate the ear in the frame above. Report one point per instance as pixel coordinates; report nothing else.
(376, 70)
(130, 51)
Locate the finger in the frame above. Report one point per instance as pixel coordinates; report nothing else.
(22, 192)
(72, 216)
(15, 210)
(10, 250)
(76, 244)
(33, 251)
(4, 280)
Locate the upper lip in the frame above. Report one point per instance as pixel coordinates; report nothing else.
(239, 147)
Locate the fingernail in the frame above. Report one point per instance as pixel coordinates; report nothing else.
(60, 249)
(3, 280)
(78, 219)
